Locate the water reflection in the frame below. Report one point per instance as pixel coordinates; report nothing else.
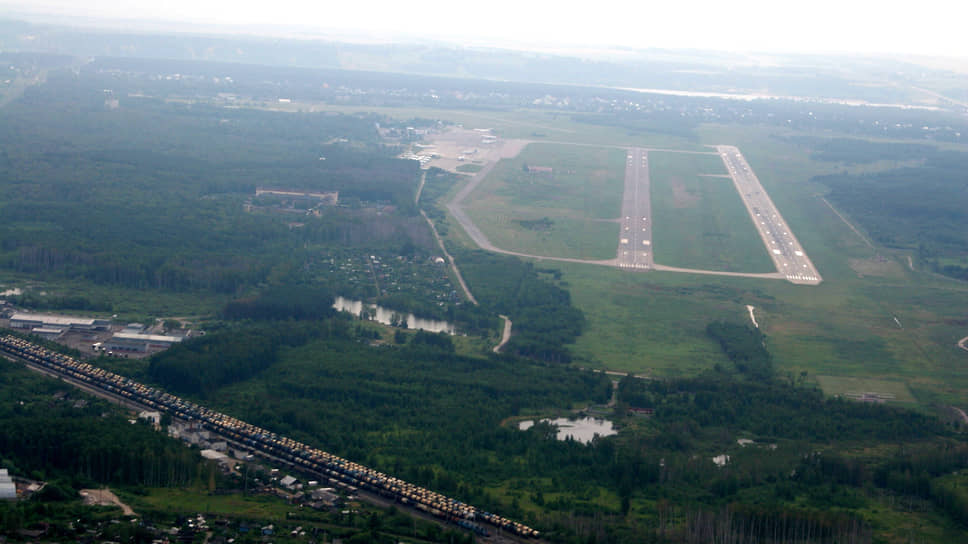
(390, 317)
(583, 430)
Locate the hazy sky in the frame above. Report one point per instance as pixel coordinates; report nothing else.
(932, 27)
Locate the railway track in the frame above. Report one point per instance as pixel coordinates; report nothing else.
(245, 435)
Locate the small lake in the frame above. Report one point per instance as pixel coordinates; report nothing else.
(385, 316)
(583, 429)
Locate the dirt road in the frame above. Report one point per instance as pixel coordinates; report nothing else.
(423, 180)
(506, 336)
(852, 227)
(105, 497)
(963, 343)
(752, 317)
(453, 265)
(961, 413)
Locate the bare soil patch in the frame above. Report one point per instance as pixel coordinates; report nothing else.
(105, 497)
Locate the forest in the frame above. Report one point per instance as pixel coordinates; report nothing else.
(430, 416)
(921, 208)
(82, 202)
(545, 321)
(439, 419)
(53, 432)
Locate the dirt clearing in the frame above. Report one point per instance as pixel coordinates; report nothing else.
(104, 497)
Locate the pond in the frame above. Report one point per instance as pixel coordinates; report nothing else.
(386, 316)
(583, 429)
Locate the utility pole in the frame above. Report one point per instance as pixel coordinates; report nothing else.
(245, 479)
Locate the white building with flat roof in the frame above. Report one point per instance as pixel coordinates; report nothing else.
(131, 341)
(20, 320)
(8, 490)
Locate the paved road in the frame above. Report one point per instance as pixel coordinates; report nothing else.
(783, 247)
(455, 207)
(764, 276)
(635, 224)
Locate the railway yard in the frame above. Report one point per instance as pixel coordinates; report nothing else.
(300, 456)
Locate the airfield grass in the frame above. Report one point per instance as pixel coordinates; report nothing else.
(565, 237)
(585, 181)
(646, 323)
(567, 212)
(700, 221)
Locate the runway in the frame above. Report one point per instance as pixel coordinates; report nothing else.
(788, 256)
(635, 224)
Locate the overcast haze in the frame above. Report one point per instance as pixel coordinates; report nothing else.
(927, 27)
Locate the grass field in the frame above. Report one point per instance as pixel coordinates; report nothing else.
(191, 501)
(700, 221)
(564, 212)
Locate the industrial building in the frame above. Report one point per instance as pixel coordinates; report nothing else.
(48, 333)
(138, 342)
(62, 322)
(8, 490)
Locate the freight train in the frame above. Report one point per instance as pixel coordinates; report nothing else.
(271, 444)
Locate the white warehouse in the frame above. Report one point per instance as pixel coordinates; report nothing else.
(132, 341)
(21, 320)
